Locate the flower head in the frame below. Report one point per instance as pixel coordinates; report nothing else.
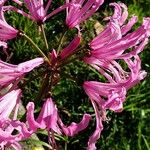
(47, 118)
(112, 94)
(38, 10)
(80, 10)
(12, 132)
(114, 40)
(50, 120)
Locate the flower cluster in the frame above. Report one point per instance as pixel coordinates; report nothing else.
(116, 42)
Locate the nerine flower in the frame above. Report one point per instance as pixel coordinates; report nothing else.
(50, 120)
(80, 10)
(112, 94)
(8, 114)
(38, 12)
(118, 81)
(114, 40)
(47, 118)
(109, 45)
(12, 132)
(13, 73)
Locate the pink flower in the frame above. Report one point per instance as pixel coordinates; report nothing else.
(7, 32)
(9, 105)
(37, 10)
(80, 11)
(112, 94)
(114, 40)
(12, 132)
(49, 119)
(14, 73)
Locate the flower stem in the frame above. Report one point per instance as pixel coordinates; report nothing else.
(61, 41)
(35, 46)
(44, 36)
(66, 143)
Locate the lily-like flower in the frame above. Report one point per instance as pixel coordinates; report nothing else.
(114, 40)
(9, 105)
(47, 118)
(50, 120)
(37, 10)
(9, 137)
(80, 10)
(112, 94)
(13, 73)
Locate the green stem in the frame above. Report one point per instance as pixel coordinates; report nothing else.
(61, 41)
(44, 36)
(66, 144)
(35, 46)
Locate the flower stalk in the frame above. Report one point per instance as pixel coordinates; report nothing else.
(35, 46)
(44, 36)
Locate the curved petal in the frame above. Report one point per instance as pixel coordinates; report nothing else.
(74, 128)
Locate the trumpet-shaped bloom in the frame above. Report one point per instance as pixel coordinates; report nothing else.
(38, 12)
(49, 119)
(114, 40)
(12, 132)
(112, 94)
(13, 73)
(119, 80)
(80, 10)
(9, 103)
